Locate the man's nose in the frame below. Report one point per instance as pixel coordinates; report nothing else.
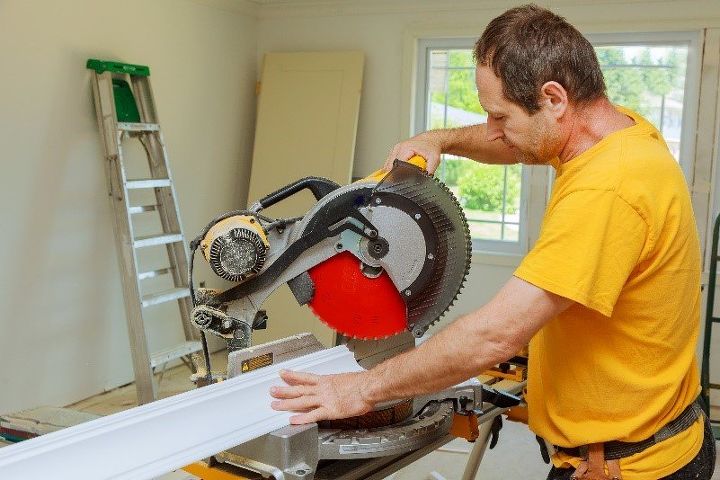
(493, 131)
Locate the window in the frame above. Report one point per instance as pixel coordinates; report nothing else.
(654, 74)
(491, 195)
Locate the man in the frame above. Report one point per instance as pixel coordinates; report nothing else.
(609, 296)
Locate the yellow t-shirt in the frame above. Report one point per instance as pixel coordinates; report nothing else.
(619, 238)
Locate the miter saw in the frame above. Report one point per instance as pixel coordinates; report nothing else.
(379, 261)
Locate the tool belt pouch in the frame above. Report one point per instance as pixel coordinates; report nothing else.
(594, 463)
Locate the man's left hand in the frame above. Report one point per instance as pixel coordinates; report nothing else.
(321, 397)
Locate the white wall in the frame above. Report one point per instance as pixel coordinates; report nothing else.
(62, 323)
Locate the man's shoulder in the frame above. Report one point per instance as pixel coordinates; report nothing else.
(646, 160)
(633, 155)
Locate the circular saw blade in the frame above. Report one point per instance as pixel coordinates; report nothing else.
(353, 304)
(434, 293)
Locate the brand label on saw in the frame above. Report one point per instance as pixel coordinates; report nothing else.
(256, 362)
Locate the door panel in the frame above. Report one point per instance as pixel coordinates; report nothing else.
(306, 125)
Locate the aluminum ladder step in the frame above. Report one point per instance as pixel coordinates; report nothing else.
(134, 210)
(165, 296)
(141, 183)
(154, 240)
(155, 273)
(138, 127)
(173, 353)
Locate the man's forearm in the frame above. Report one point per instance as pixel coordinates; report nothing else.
(456, 353)
(464, 349)
(468, 346)
(470, 142)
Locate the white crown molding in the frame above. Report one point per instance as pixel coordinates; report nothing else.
(153, 439)
(332, 8)
(707, 10)
(701, 12)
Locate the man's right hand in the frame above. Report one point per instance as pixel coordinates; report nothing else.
(469, 142)
(428, 145)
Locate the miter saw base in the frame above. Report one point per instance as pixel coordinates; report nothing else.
(308, 452)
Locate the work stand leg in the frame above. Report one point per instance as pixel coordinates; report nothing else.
(478, 451)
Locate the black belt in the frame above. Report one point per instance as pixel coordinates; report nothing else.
(616, 449)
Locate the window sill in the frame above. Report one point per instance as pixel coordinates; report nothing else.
(496, 258)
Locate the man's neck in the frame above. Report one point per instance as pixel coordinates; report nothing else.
(590, 124)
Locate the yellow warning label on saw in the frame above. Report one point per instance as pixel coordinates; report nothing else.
(257, 362)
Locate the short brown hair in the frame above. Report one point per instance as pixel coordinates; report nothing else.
(528, 46)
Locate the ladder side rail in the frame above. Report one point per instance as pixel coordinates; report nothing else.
(709, 322)
(144, 382)
(168, 208)
(144, 99)
(122, 226)
(105, 110)
(167, 204)
(169, 213)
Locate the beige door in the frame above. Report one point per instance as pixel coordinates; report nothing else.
(306, 125)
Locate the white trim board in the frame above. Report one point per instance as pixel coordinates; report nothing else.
(159, 437)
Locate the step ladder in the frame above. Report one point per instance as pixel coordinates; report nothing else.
(125, 109)
(710, 321)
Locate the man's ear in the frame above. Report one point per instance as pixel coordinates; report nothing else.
(554, 97)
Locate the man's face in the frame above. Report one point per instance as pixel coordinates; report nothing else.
(534, 139)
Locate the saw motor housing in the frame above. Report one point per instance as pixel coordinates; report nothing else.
(235, 247)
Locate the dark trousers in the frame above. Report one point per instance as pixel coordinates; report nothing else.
(700, 468)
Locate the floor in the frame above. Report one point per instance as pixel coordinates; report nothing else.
(516, 456)
(175, 380)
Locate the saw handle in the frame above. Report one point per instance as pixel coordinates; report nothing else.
(416, 160)
(317, 185)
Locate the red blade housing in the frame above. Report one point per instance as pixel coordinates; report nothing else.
(353, 304)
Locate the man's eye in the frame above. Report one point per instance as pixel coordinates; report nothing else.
(498, 117)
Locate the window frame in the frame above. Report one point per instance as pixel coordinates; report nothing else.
(422, 83)
(537, 181)
(691, 94)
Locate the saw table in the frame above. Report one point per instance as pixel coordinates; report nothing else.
(369, 446)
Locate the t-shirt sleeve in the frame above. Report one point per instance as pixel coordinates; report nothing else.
(589, 244)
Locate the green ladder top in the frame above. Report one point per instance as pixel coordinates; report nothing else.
(101, 66)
